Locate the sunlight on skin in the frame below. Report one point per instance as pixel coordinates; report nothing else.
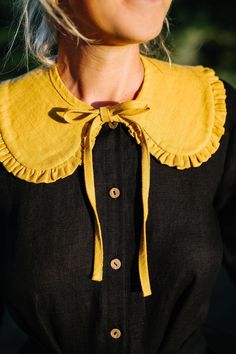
(119, 21)
(114, 63)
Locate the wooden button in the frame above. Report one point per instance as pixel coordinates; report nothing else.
(115, 263)
(114, 192)
(115, 333)
(113, 125)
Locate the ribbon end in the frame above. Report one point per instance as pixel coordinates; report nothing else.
(146, 293)
(97, 277)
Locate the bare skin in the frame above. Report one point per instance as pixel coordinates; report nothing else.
(109, 72)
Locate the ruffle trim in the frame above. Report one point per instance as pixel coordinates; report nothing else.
(37, 176)
(183, 161)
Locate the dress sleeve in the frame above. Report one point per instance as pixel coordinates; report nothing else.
(225, 198)
(4, 201)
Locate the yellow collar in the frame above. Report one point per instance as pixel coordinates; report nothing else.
(178, 117)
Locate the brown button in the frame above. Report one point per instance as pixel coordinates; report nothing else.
(115, 263)
(115, 333)
(113, 125)
(114, 192)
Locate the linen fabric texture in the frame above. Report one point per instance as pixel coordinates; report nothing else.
(173, 158)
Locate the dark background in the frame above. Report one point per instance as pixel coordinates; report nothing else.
(202, 32)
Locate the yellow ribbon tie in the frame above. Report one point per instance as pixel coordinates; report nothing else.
(122, 111)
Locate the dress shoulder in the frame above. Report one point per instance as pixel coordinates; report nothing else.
(225, 197)
(190, 114)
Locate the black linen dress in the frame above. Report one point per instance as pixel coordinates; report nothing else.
(47, 240)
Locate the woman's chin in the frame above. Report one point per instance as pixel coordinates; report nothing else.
(133, 37)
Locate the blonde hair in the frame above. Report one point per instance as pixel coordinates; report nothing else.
(42, 22)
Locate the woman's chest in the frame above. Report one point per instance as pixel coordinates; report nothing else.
(50, 227)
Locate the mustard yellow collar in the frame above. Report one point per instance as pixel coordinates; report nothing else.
(46, 132)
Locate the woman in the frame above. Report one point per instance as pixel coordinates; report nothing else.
(118, 185)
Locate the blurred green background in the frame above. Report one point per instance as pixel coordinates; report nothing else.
(204, 32)
(201, 32)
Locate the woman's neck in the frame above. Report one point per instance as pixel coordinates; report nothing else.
(100, 75)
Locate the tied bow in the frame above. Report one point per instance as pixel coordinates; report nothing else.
(122, 112)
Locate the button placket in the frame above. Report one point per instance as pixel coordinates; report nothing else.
(115, 263)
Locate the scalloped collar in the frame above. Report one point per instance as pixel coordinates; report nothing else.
(178, 116)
